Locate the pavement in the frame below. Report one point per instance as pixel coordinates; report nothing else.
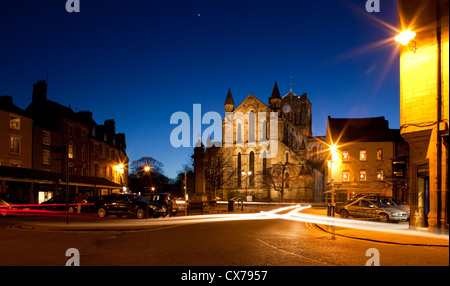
(315, 217)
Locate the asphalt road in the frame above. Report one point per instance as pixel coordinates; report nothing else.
(268, 242)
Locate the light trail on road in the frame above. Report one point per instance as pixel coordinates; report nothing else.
(295, 215)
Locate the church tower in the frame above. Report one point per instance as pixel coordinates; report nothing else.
(275, 100)
(229, 102)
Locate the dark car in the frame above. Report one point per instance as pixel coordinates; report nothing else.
(122, 204)
(162, 204)
(59, 203)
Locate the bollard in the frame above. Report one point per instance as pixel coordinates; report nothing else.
(330, 210)
(230, 205)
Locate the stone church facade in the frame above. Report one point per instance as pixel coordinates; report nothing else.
(248, 171)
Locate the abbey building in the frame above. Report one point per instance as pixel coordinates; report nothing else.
(250, 169)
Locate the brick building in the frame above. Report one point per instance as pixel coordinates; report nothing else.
(362, 160)
(57, 143)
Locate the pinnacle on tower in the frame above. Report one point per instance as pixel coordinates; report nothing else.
(229, 102)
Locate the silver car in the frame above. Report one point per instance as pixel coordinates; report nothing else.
(392, 202)
(373, 209)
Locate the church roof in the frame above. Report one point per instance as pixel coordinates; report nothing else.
(290, 95)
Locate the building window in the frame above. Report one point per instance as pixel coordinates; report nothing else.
(46, 138)
(345, 176)
(380, 175)
(251, 128)
(85, 135)
(46, 157)
(239, 134)
(264, 165)
(287, 157)
(345, 156)
(380, 154)
(286, 180)
(70, 151)
(15, 145)
(362, 155)
(14, 122)
(239, 170)
(70, 131)
(362, 175)
(252, 169)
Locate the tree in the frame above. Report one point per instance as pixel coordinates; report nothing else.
(140, 179)
(281, 175)
(217, 169)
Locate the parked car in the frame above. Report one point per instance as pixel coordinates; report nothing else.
(372, 209)
(59, 203)
(386, 200)
(389, 201)
(122, 204)
(3, 207)
(162, 204)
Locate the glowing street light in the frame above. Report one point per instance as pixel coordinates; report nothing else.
(249, 173)
(405, 37)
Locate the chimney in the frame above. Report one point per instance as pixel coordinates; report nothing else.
(39, 91)
(110, 125)
(6, 100)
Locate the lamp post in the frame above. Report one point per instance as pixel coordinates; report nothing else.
(121, 170)
(147, 171)
(333, 149)
(248, 174)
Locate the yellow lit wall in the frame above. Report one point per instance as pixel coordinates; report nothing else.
(419, 105)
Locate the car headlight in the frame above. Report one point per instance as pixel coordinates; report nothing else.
(396, 214)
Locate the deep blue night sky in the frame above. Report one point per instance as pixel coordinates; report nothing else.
(140, 61)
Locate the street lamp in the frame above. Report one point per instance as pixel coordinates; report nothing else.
(248, 174)
(405, 37)
(147, 170)
(333, 149)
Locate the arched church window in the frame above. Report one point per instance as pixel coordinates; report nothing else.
(239, 170)
(252, 169)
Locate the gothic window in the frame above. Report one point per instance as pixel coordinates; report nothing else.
(251, 128)
(252, 169)
(264, 164)
(239, 134)
(286, 181)
(239, 170)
